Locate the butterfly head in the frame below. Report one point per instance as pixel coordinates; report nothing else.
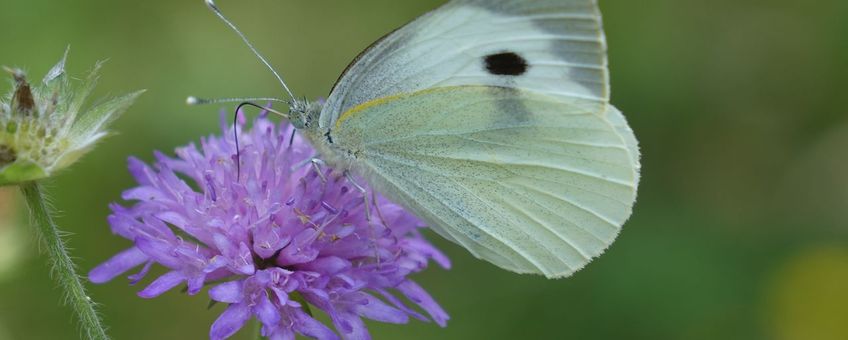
(303, 114)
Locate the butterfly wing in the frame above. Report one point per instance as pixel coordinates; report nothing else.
(555, 47)
(530, 182)
(490, 120)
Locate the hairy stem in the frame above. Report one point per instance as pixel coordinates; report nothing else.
(60, 263)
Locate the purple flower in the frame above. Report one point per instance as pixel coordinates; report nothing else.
(283, 234)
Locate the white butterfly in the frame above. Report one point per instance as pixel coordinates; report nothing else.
(490, 120)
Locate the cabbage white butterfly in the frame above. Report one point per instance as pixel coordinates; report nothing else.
(490, 120)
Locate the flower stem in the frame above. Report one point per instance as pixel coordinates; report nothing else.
(61, 263)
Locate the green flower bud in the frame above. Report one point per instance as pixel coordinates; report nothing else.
(43, 127)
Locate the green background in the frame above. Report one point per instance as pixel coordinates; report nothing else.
(740, 231)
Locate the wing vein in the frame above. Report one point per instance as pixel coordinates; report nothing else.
(520, 147)
(405, 162)
(564, 199)
(544, 226)
(534, 165)
(488, 129)
(460, 215)
(498, 212)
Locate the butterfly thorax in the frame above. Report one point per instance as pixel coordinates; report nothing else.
(305, 117)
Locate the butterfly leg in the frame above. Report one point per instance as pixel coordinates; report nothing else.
(316, 165)
(379, 212)
(365, 201)
(291, 139)
(312, 159)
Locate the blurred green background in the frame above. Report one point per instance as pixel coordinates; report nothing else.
(740, 231)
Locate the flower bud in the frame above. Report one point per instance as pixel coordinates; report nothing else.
(43, 127)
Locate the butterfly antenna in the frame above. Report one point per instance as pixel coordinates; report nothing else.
(192, 100)
(235, 130)
(217, 11)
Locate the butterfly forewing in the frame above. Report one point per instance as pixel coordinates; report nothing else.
(554, 47)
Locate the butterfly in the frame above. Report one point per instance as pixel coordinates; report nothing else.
(490, 120)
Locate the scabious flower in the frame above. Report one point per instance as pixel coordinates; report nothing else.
(44, 128)
(271, 238)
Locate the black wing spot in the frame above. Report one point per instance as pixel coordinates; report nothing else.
(506, 64)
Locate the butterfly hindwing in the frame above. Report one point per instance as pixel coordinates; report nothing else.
(531, 182)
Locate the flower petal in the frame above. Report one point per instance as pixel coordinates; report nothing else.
(229, 292)
(195, 283)
(117, 265)
(162, 284)
(143, 193)
(418, 295)
(230, 321)
(401, 305)
(329, 265)
(355, 327)
(266, 241)
(282, 334)
(135, 278)
(378, 310)
(310, 327)
(142, 173)
(266, 312)
(159, 251)
(430, 251)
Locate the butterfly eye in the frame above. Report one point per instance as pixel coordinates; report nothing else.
(506, 63)
(299, 122)
(299, 114)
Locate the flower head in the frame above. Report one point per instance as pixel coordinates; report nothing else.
(44, 129)
(271, 239)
